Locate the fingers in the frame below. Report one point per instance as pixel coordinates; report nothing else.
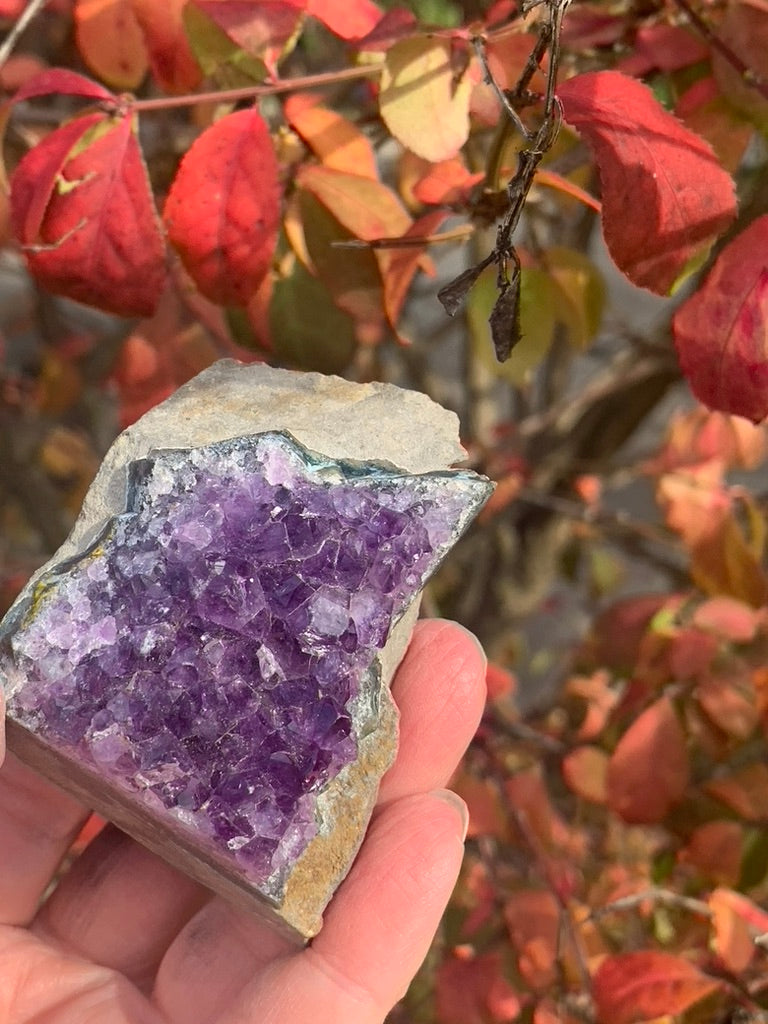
(379, 926)
(440, 690)
(119, 906)
(37, 825)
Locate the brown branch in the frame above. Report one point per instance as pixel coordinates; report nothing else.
(32, 9)
(749, 76)
(665, 897)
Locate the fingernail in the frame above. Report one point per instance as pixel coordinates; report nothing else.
(455, 801)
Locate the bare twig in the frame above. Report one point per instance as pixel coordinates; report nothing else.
(32, 9)
(504, 318)
(749, 76)
(664, 897)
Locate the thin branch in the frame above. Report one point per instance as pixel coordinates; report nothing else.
(665, 897)
(254, 91)
(479, 44)
(32, 9)
(406, 241)
(749, 76)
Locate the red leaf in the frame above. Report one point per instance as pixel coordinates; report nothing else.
(82, 210)
(720, 332)
(730, 619)
(171, 59)
(474, 991)
(714, 849)
(223, 210)
(65, 83)
(398, 266)
(648, 770)
(663, 47)
(731, 938)
(262, 28)
(348, 19)
(640, 986)
(665, 197)
(584, 771)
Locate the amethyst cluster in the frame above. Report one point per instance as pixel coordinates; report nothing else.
(212, 651)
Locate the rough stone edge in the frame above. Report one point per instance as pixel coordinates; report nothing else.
(357, 423)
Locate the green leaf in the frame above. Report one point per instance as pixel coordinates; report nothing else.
(537, 323)
(352, 276)
(221, 60)
(754, 859)
(309, 331)
(579, 293)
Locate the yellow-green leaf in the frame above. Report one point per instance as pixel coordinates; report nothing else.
(422, 102)
(537, 323)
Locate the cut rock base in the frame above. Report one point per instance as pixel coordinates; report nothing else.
(207, 665)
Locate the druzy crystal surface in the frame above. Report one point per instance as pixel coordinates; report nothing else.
(209, 652)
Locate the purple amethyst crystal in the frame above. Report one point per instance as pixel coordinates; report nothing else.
(212, 652)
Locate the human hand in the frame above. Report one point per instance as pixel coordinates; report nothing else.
(126, 939)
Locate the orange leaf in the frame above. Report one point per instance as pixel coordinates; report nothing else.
(533, 920)
(568, 188)
(727, 695)
(173, 64)
(731, 938)
(366, 208)
(715, 849)
(474, 991)
(223, 210)
(585, 772)
(487, 814)
(348, 19)
(334, 139)
(111, 42)
(447, 182)
(399, 265)
(640, 986)
(745, 791)
(648, 771)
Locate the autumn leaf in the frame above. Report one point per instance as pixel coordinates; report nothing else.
(421, 101)
(744, 29)
(533, 919)
(308, 330)
(715, 849)
(334, 139)
(266, 29)
(173, 65)
(398, 266)
(111, 42)
(641, 986)
(745, 791)
(63, 82)
(731, 938)
(648, 771)
(445, 182)
(82, 210)
(665, 196)
(223, 209)
(366, 208)
(585, 771)
(721, 332)
(348, 19)
(474, 991)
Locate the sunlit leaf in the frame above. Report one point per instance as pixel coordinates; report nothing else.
(82, 210)
(665, 196)
(648, 771)
(223, 210)
(642, 986)
(421, 102)
(337, 141)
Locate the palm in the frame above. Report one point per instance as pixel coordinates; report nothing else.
(125, 939)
